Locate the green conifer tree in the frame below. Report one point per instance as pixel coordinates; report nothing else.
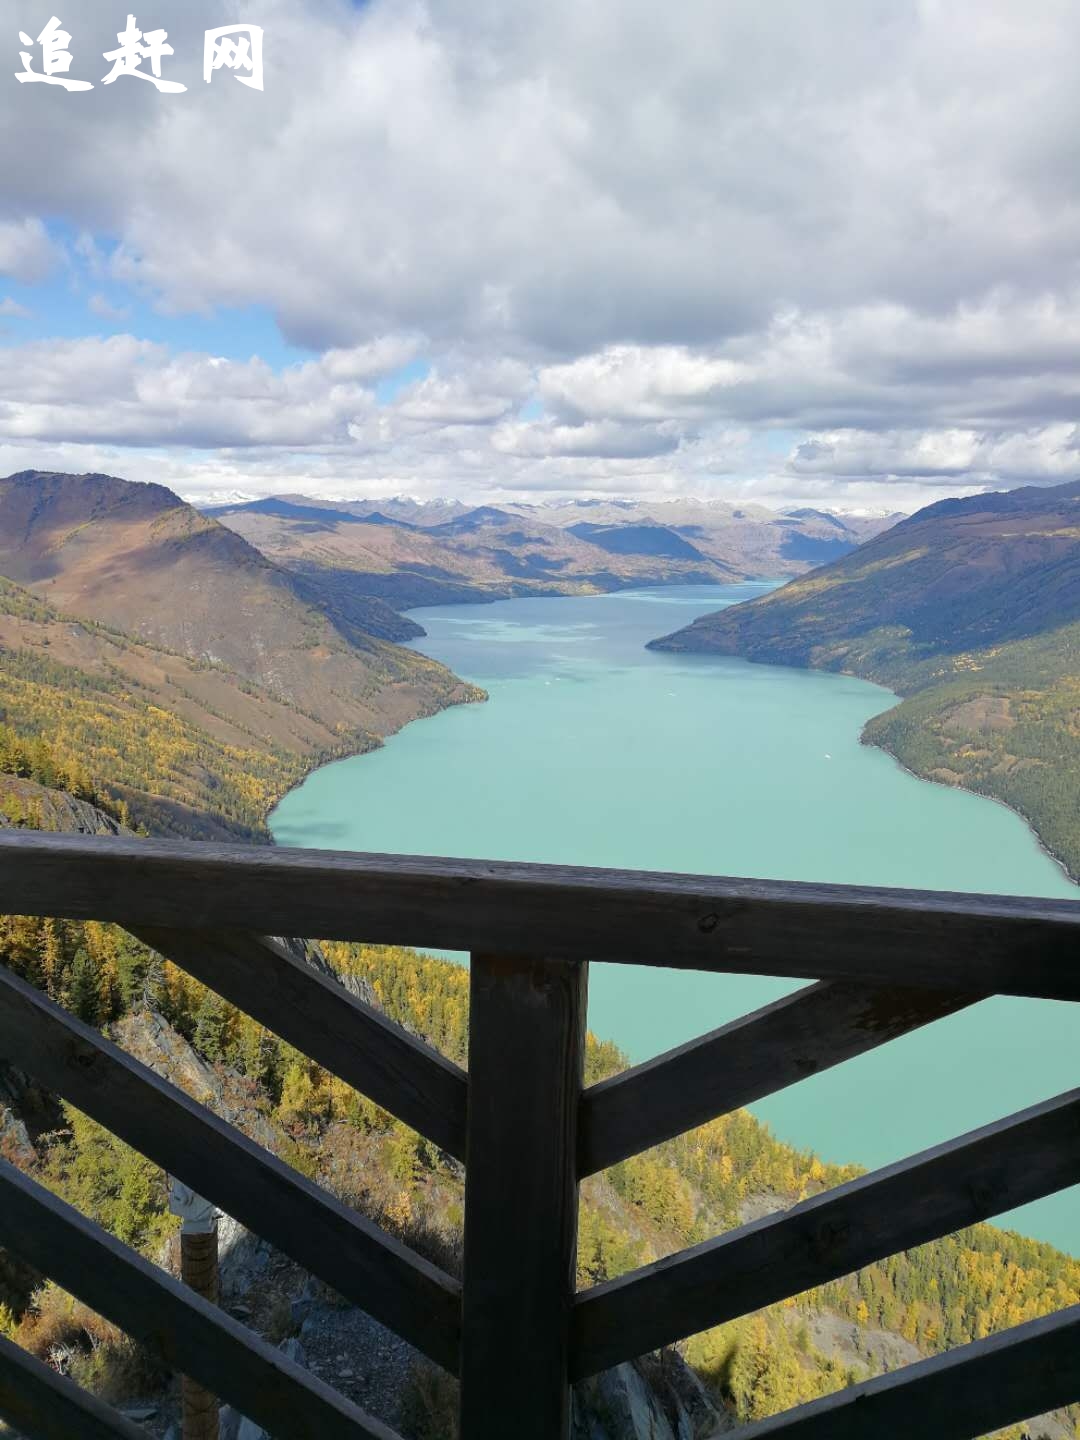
(85, 988)
(212, 1028)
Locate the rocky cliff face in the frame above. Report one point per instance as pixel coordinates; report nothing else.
(51, 809)
(656, 1398)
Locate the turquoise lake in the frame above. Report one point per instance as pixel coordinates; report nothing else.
(593, 750)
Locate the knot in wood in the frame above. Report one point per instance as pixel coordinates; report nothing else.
(829, 1236)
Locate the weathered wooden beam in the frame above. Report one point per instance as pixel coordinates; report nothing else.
(42, 1405)
(1015, 1160)
(753, 1056)
(348, 1038)
(969, 1391)
(979, 943)
(192, 1336)
(526, 1056)
(397, 1286)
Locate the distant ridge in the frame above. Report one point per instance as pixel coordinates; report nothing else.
(411, 553)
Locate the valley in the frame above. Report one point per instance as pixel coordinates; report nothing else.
(409, 554)
(594, 750)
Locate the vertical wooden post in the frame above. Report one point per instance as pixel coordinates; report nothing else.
(526, 1056)
(199, 1269)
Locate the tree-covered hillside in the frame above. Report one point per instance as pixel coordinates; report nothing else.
(970, 609)
(183, 671)
(190, 747)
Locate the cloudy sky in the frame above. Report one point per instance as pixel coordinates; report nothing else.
(815, 251)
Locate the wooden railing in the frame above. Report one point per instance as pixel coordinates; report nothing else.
(515, 1332)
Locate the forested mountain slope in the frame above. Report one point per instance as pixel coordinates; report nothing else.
(176, 667)
(971, 608)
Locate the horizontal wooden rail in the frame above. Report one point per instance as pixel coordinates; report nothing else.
(752, 1057)
(984, 1386)
(975, 943)
(192, 1336)
(397, 1286)
(350, 1039)
(1009, 1163)
(42, 1405)
(886, 962)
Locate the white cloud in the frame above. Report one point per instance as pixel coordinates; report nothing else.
(854, 221)
(608, 438)
(100, 306)
(571, 176)
(1046, 455)
(26, 252)
(124, 391)
(470, 393)
(11, 309)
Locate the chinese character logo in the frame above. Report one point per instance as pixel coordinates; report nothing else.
(229, 47)
(235, 47)
(127, 60)
(55, 59)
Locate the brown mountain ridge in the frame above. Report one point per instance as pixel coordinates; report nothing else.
(185, 641)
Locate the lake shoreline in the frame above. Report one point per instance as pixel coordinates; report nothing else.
(596, 752)
(968, 790)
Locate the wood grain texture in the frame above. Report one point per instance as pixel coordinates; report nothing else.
(199, 1409)
(348, 1038)
(978, 943)
(372, 1269)
(1009, 1163)
(42, 1405)
(191, 1335)
(526, 1055)
(753, 1056)
(976, 1388)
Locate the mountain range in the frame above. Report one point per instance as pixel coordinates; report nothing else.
(971, 610)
